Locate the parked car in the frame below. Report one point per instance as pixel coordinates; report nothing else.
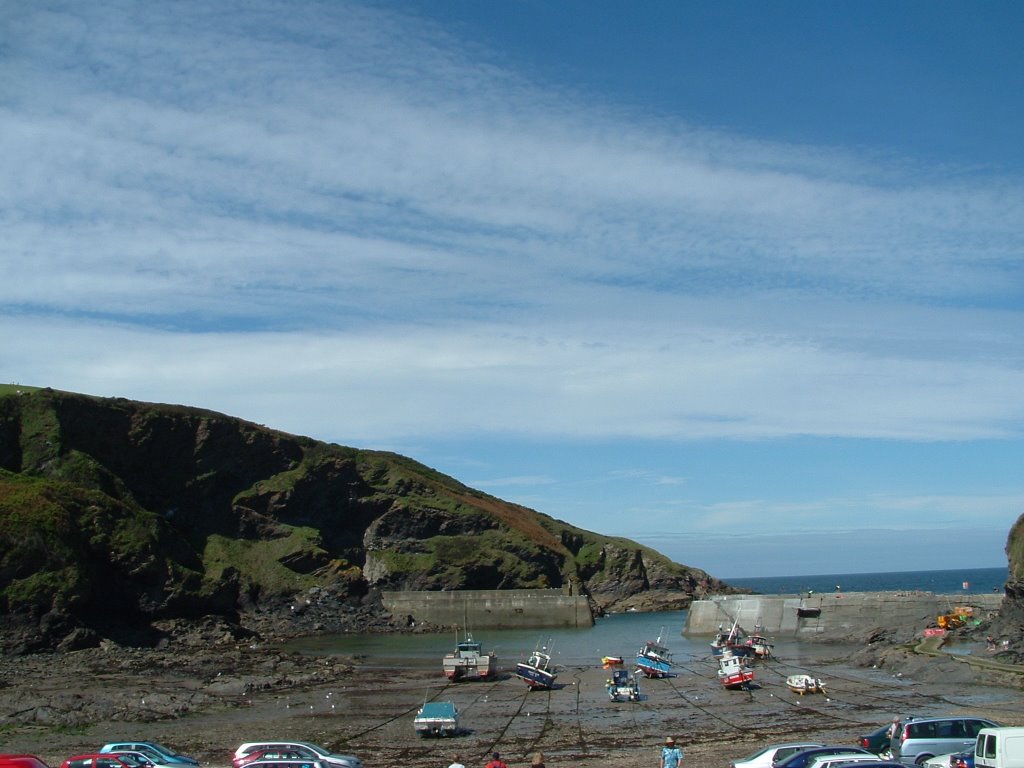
(285, 763)
(1000, 748)
(156, 752)
(952, 760)
(764, 758)
(307, 749)
(272, 754)
(842, 759)
(927, 737)
(804, 757)
(21, 761)
(877, 741)
(100, 760)
(137, 759)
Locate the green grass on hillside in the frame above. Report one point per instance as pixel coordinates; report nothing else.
(14, 389)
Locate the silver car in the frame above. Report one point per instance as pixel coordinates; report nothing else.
(926, 737)
(307, 749)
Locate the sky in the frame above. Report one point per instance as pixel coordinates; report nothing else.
(740, 281)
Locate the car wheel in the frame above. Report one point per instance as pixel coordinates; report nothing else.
(921, 758)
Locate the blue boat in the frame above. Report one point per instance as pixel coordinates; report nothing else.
(536, 671)
(654, 659)
(623, 686)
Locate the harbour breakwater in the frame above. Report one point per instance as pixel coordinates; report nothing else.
(833, 614)
(493, 608)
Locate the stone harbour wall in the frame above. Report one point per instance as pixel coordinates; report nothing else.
(493, 609)
(811, 614)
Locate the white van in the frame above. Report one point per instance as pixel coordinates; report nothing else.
(999, 748)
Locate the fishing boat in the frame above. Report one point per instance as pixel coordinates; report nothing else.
(469, 662)
(733, 640)
(805, 684)
(623, 686)
(437, 718)
(537, 670)
(611, 661)
(654, 659)
(760, 645)
(734, 671)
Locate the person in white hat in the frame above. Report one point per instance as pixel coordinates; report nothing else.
(671, 755)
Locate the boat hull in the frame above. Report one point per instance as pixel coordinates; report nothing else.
(739, 679)
(483, 668)
(653, 667)
(804, 684)
(760, 645)
(534, 677)
(469, 662)
(624, 694)
(437, 719)
(436, 728)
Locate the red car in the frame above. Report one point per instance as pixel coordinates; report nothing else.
(99, 760)
(21, 761)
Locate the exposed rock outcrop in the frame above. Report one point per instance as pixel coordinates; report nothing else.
(1007, 627)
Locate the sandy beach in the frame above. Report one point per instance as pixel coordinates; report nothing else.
(205, 701)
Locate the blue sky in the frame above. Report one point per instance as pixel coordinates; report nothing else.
(741, 281)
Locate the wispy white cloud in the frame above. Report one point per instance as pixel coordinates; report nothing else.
(347, 222)
(414, 381)
(251, 164)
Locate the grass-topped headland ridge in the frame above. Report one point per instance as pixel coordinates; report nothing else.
(153, 513)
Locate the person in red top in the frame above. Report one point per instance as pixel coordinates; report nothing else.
(496, 761)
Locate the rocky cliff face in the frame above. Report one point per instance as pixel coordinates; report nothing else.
(148, 513)
(1007, 627)
(1013, 606)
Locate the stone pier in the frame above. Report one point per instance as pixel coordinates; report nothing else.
(493, 608)
(812, 614)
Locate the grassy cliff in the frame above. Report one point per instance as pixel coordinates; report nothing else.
(164, 511)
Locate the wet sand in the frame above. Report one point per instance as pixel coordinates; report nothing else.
(204, 702)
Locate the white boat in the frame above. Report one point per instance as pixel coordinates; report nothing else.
(760, 645)
(469, 662)
(437, 718)
(805, 684)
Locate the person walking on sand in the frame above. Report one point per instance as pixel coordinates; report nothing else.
(456, 762)
(671, 755)
(495, 761)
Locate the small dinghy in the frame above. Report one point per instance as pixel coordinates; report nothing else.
(805, 684)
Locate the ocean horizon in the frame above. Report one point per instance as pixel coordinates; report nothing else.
(949, 581)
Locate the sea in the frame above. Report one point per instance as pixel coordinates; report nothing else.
(947, 582)
(622, 634)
